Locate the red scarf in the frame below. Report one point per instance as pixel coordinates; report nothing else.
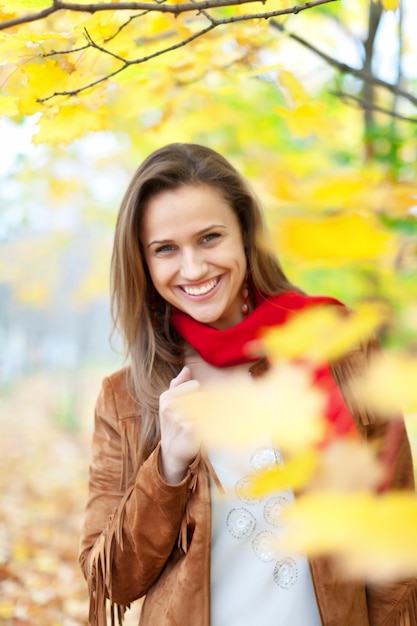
(226, 348)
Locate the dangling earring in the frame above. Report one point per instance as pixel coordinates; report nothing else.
(245, 295)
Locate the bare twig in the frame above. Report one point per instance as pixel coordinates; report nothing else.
(88, 45)
(367, 105)
(175, 9)
(52, 53)
(126, 63)
(122, 26)
(344, 68)
(93, 44)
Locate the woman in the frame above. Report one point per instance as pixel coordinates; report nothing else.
(191, 284)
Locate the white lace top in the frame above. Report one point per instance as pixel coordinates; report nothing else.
(252, 585)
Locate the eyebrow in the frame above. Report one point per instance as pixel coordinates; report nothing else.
(198, 233)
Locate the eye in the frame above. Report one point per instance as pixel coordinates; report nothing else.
(167, 247)
(210, 237)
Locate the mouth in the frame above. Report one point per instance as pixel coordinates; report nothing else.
(200, 290)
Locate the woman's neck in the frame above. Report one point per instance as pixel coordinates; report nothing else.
(206, 373)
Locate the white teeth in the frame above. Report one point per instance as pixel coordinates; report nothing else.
(199, 291)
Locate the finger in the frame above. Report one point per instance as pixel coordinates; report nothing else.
(183, 376)
(189, 386)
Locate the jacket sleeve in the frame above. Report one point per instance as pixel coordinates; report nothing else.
(393, 604)
(128, 534)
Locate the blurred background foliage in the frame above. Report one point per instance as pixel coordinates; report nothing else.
(317, 109)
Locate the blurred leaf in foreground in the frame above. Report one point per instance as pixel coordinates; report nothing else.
(323, 334)
(391, 383)
(283, 404)
(343, 465)
(344, 237)
(294, 474)
(371, 537)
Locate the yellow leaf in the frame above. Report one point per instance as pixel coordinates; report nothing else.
(6, 14)
(390, 384)
(158, 23)
(109, 29)
(322, 334)
(284, 405)
(8, 106)
(390, 5)
(373, 538)
(294, 474)
(43, 79)
(47, 73)
(338, 191)
(12, 48)
(343, 465)
(347, 465)
(293, 86)
(69, 123)
(306, 119)
(19, 5)
(341, 237)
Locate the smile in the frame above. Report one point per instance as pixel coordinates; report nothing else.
(201, 289)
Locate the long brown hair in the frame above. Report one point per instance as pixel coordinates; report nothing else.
(139, 313)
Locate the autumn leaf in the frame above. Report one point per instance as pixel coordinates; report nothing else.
(336, 238)
(69, 122)
(42, 79)
(372, 537)
(284, 404)
(322, 334)
(342, 466)
(341, 189)
(308, 118)
(347, 465)
(293, 474)
(8, 105)
(293, 86)
(14, 49)
(19, 5)
(390, 5)
(390, 385)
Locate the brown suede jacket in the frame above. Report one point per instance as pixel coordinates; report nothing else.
(145, 537)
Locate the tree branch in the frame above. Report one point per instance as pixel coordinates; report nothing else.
(176, 9)
(400, 52)
(374, 20)
(26, 19)
(213, 23)
(202, 7)
(52, 53)
(347, 69)
(126, 63)
(368, 105)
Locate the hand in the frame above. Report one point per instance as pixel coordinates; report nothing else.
(180, 440)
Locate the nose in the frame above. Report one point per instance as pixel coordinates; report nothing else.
(193, 264)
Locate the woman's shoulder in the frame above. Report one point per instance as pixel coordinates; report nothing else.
(117, 395)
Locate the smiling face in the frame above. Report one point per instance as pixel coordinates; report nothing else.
(195, 254)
